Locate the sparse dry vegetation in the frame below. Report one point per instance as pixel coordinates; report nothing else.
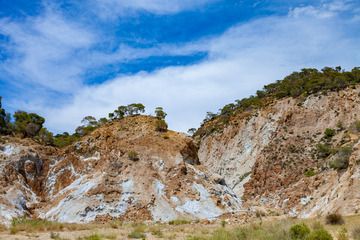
(334, 219)
(268, 229)
(133, 156)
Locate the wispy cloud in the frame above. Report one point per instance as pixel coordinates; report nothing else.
(46, 50)
(240, 61)
(115, 8)
(54, 52)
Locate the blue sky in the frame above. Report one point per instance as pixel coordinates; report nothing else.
(67, 59)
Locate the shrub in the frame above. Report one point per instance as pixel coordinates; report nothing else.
(133, 156)
(334, 219)
(319, 234)
(299, 231)
(324, 150)
(161, 125)
(342, 158)
(329, 133)
(309, 173)
(137, 235)
(179, 222)
(357, 125)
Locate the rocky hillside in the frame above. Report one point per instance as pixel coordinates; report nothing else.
(122, 170)
(297, 156)
(293, 149)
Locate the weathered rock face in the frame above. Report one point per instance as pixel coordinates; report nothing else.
(23, 165)
(264, 155)
(123, 170)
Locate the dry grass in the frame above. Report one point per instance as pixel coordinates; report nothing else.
(38, 225)
(269, 229)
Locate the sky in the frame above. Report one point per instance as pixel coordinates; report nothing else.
(67, 59)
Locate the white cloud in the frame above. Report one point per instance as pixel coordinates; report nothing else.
(240, 61)
(46, 50)
(115, 8)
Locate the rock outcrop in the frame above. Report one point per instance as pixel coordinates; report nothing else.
(123, 170)
(268, 156)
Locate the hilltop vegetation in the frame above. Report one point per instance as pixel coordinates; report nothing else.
(297, 85)
(30, 125)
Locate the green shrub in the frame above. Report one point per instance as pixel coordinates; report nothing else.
(309, 173)
(342, 158)
(324, 150)
(329, 133)
(161, 125)
(319, 234)
(299, 231)
(334, 219)
(133, 156)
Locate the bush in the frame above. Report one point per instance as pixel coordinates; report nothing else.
(334, 219)
(133, 156)
(357, 126)
(299, 231)
(161, 125)
(309, 173)
(329, 133)
(319, 234)
(342, 158)
(179, 222)
(324, 150)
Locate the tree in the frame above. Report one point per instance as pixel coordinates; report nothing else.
(161, 125)
(102, 121)
(28, 124)
(4, 120)
(209, 116)
(191, 131)
(121, 111)
(135, 109)
(89, 121)
(111, 116)
(160, 114)
(45, 137)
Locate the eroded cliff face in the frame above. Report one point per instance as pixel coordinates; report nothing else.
(123, 170)
(265, 155)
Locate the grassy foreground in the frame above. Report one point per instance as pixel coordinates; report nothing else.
(336, 228)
